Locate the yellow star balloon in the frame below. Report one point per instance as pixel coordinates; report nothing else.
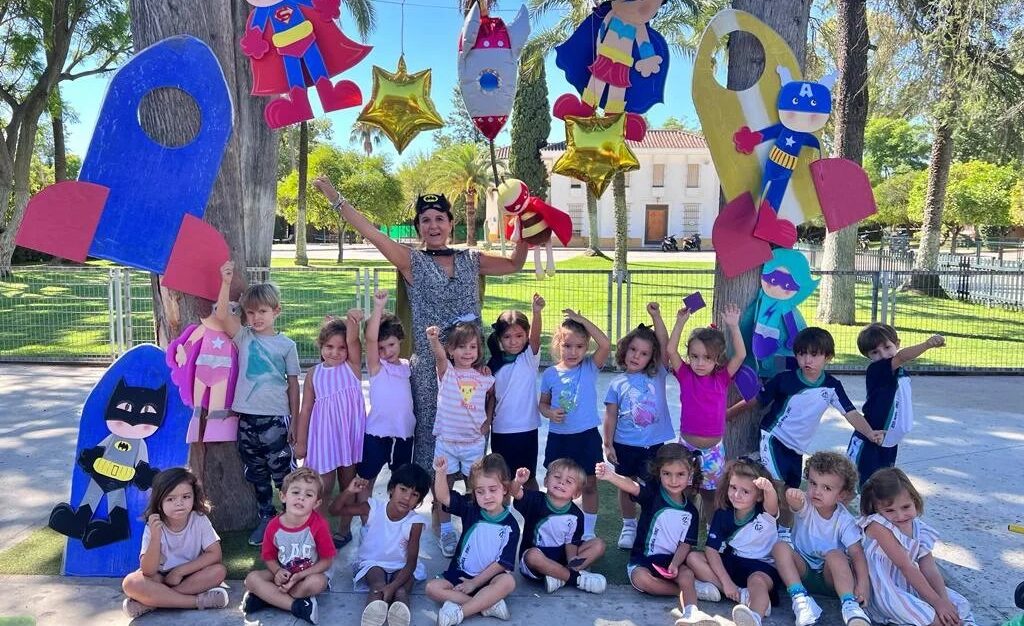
(400, 104)
(595, 150)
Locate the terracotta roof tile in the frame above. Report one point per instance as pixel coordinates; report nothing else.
(656, 138)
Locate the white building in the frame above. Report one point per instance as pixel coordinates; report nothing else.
(675, 191)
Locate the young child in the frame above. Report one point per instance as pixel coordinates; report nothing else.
(636, 420)
(461, 424)
(479, 577)
(266, 393)
(889, 406)
(740, 541)
(668, 528)
(568, 398)
(908, 586)
(553, 549)
(512, 404)
(297, 551)
(703, 389)
(180, 561)
(329, 430)
(388, 563)
(826, 539)
(390, 423)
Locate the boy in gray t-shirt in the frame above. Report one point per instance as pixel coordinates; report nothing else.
(267, 391)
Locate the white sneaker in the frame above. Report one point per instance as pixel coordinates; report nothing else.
(553, 584)
(742, 615)
(707, 592)
(627, 537)
(499, 610)
(591, 583)
(375, 614)
(745, 600)
(692, 616)
(399, 615)
(853, 615)
(449, 542)
(449, 614)
(806, 610)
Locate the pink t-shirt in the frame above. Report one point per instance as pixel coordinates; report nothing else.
(460, 405)
(391, 402)
(703, 399)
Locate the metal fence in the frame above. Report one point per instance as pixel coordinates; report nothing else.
(92, 314)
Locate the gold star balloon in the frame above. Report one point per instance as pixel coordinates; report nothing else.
(595, 150)
(400, 104)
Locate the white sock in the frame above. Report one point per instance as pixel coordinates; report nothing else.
(589, 523)
(629, 521)
(446, 527)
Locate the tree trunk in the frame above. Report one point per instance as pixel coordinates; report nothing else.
(241, 205)
(621, 226)
(22, 165)
(60, 154)
(925, 279)
(594, 247)
(746, 62)
(300, 214)
(471, 217)
(837, 292)
(342, 228)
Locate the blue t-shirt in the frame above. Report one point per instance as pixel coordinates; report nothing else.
(663, 524)
(643, 408)
(795, 406)
(889, 405)
(485, 539)
(574, 390)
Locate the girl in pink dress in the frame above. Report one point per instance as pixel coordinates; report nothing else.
(332, 420)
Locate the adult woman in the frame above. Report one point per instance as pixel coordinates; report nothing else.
(442, 284)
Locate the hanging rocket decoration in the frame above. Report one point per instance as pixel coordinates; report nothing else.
(617, 62)
(294, 45)
(534, 221)
(488, 66)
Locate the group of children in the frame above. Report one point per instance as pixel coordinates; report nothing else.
(757, 542)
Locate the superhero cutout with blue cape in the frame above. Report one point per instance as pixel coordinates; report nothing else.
(772, 321)
(617, 62)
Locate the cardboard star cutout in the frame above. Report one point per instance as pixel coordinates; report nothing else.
(595, 150)
(400, 104)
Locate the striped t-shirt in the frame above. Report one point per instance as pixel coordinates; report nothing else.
(460, 405)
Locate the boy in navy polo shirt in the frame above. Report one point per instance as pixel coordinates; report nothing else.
(889, 405)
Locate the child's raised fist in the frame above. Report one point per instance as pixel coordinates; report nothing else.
(432, 332)
(602, 471)
(356, 315)
(763, 483)
(936, 341)
(522, 475)
(441, 464)
(538, 303)
(358, 484)
(379, 298)
(653, 308)
(227, 271)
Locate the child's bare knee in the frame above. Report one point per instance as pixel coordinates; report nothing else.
(437, 587)
(504, 582)
(218, 572)
(759, 580)
(595, 547)
(132, 581)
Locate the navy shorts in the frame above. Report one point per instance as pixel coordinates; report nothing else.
(634, 460)
(869, 457)
(740, 569)
(518, 449)
(585, 448)
(554, 553)
(380, 451)
(456, 576)
(781, 461)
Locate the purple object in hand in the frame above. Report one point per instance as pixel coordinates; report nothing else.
(747, 382)
(694, 302)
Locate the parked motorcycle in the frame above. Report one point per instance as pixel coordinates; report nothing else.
(692, 243)
(669, 244)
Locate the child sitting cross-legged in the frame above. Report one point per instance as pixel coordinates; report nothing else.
(298, 552)
(826, 541)
(553, 549)
(666, 530)
(388, 564)
(479, 577)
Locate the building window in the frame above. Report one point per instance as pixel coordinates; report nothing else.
(659, 175)
(691, 219)
(577, 212)
(693, 175)
(575, 184)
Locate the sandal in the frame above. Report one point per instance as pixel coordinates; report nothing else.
(340, 541)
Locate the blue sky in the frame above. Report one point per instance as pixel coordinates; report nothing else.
(432, 30)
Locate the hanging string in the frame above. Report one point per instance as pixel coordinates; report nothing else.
(401, 40)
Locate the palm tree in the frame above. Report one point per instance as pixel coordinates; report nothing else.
(464, 170)
(367, 135)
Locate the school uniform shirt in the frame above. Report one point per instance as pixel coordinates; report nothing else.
(485, 539)
(574, 390)
(751, 538)
(185, 545)
(663, 524)
(515, 395)
(300, 548)
(545, 526)
(814, 536)
(797, 404)
(889, 406)
(643, 418)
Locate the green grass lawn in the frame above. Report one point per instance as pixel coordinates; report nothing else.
(64, 313)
